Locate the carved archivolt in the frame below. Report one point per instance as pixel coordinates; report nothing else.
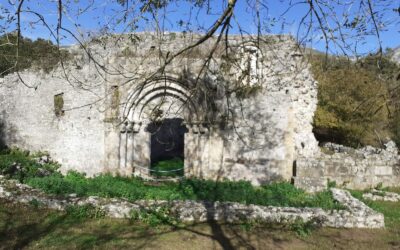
(158, 99)
(161, 99)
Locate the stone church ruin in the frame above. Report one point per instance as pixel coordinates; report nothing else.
(246, 116)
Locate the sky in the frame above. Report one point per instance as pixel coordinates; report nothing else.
(96, 15)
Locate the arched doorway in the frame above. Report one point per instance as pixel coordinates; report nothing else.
(157, 115)
(167, 142)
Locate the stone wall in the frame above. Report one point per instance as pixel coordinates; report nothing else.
(231, 134)
(352, 168)
(74, 138)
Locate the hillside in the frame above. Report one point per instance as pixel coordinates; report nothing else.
(40, 54)
(358, 102)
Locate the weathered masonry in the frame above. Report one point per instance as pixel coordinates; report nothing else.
(246, 116)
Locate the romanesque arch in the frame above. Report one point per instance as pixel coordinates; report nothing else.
(156, 100)
(163, 88)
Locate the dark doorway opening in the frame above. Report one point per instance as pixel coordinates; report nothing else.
(167, 147)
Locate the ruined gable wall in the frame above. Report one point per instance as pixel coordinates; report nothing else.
(266, 132)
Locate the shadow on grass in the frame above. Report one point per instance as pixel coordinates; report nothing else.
(24, 226)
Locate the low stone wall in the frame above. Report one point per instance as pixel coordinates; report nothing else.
(356, 215)
(378, 195)
(352, 168)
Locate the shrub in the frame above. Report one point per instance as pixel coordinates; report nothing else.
(21, 165)
(278, 194)
(304, 229)
(355, 102)
(395, 126)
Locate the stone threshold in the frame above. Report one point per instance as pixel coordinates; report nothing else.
(356, 214)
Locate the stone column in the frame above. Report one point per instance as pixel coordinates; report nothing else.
(216, 154)
(111, 148)
(141, 153)
(204, 151)
(122, 148)
(189, 152)
(193, 152)
(128, 170)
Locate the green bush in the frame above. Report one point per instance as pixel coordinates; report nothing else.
(155, 216)
(22, 165)
(304, 229)
(395, 126)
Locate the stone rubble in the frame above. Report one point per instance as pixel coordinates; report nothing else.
(378, 195)
(356, 214)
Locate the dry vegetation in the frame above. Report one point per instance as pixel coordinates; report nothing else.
(358, 102)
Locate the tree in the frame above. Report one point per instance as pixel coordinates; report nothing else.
(346, 28)
(343, 26)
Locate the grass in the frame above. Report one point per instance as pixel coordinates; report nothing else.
(394, 189)
(277, 194)
(168, 168)
(391, 210)
(31, 227)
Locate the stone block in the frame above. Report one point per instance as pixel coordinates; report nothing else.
(310, 184)
(384, 170)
